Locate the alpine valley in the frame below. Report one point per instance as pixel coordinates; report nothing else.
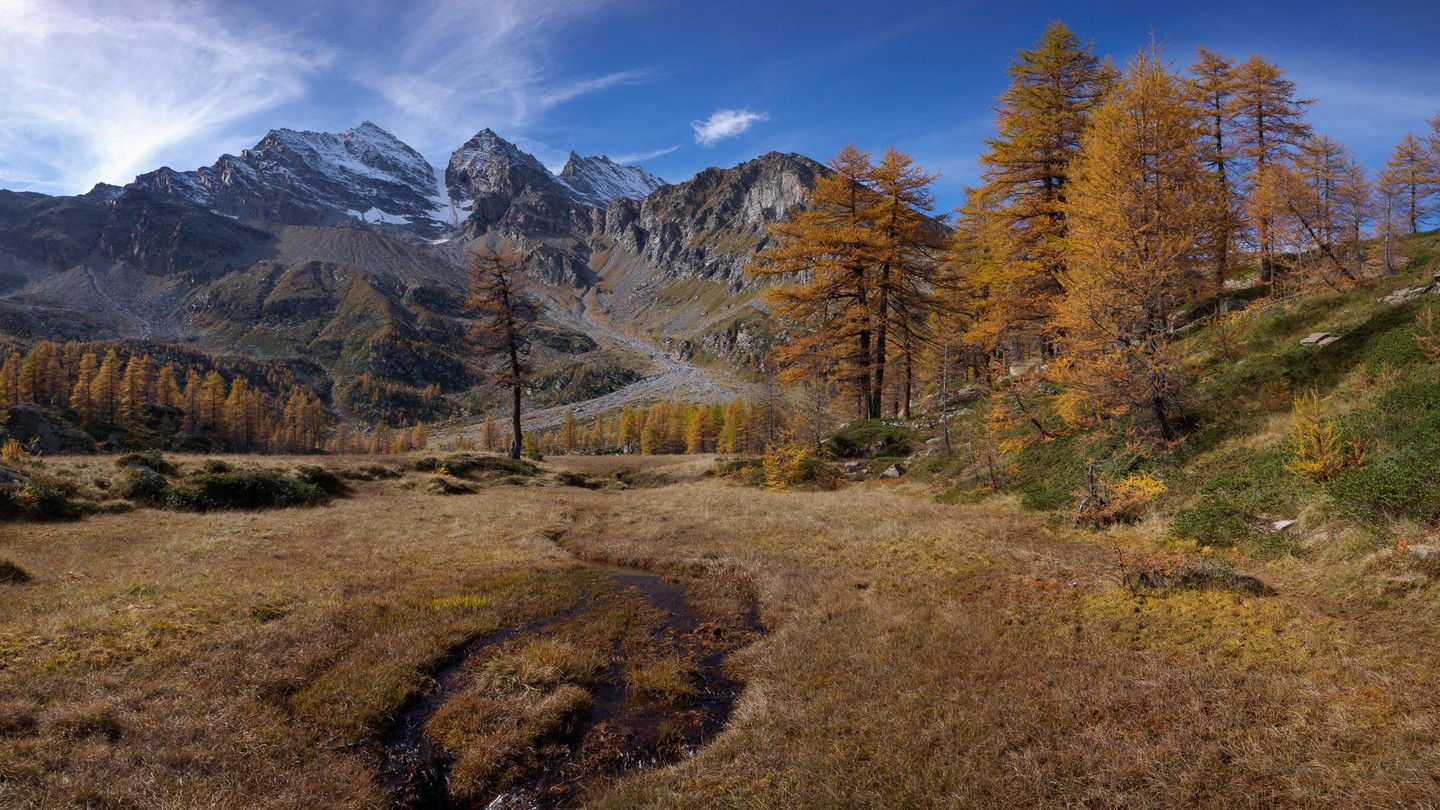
(341, 258)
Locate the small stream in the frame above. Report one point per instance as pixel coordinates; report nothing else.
(622, 731)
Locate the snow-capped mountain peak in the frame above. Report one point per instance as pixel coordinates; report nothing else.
(597, 180)
(302, 177)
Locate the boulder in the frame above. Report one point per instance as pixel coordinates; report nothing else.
(1405, 294)
(893, 471)
(33, 427)
(1318, 340)
(10, 478)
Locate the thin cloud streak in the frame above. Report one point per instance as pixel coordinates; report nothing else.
(640, 156)
(463, 65)
(92, 93)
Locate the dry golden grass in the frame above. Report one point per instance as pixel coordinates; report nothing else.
(918, 655)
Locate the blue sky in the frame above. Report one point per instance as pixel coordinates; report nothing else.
(103, 89)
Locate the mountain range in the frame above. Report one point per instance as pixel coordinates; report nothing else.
(341, 255)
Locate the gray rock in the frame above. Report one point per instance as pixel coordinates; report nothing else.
(10, 477)
(893, 471)
(1318, 340)
(1405, 294)
(33, 427)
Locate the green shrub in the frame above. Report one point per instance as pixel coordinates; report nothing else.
(445, 485)
(243, 489)
(143, 487)
(39, 499)
(1238, 489)
(12, 574)
(871, 438)
(215, 465)
(463, 466)
(1049, 473)
(1403, 483)
(146, 458)
(322, 477)
(572, 479)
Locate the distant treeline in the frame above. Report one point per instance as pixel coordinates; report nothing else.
(672, 426)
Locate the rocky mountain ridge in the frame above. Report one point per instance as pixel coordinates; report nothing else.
(346, 251)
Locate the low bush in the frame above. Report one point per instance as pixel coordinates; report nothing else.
(40, 499)
(216, 465)
(1105, 502)
(1239, 490)
(464, 466)
(323, 477)
(12, 574)
(1403, 483)
(446, 485)
(146, 458)
(573, 479)
(871, 438)
(143, 486)
(781, 468)
(369, 472)
(243, 489)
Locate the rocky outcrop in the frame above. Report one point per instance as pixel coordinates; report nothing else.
(707, 227)
(37, 431)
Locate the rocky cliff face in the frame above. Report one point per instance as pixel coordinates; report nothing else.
(708, 226)
(503, 191)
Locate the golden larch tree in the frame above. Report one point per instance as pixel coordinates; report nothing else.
(1137, 210)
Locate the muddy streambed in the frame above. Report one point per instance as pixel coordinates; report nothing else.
(629, 677)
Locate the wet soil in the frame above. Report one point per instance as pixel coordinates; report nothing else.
(623, 730)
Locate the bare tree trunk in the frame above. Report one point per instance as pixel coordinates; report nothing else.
(945, 393)
(517, 441)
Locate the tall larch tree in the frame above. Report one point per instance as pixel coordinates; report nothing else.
(1026, 173)
(908, 242)
(827, 249)
(1137, 210)
(105, 390)
(1271, 124)
(1212, 84)
(1412, 178)
(502, 312)
(81, 399)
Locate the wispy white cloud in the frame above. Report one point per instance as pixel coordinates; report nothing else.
(462, 65)
(724, 124)
(636, 157)
(92, 91)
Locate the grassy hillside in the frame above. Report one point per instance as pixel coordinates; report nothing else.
(1232, 483)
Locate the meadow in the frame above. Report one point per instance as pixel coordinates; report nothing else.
(894, 651)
